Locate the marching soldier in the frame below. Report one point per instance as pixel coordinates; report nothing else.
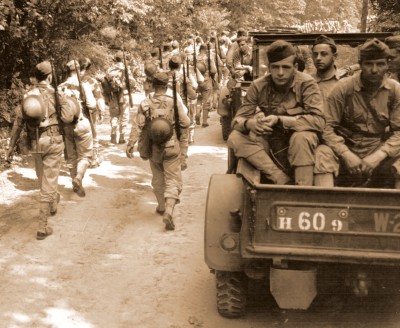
(38, 113)
(78, 134)
(118, 98)
(97, 113)
(156, 128)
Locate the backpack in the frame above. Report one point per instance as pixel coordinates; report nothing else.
(114, 78)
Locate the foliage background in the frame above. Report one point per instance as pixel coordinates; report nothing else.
(35, 30)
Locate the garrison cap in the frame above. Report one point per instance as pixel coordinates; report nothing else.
(160, 78)
(279, 50)
(323, 39)
(393, 42)
(176, 59)
(43, 68)
(71, 65)
(374, 49)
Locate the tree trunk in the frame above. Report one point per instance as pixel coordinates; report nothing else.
(364, 16)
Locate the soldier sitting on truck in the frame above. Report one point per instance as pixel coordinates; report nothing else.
(362, 135)
(243, 60)
(279, 120)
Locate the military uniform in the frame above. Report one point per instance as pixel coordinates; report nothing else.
(46, 142)
(364, 123)
(78, 134)
(118, 101)
(97, 112)
(298, 111)
(165, 154)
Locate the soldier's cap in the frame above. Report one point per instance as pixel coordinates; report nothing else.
(167, 45)
(43, 68)
(170, 38)
(203, 47)
(393, 42)
(198, 39)
(176, 59)
(160, 78)
(154, 51)
(71, 65)
(374, 49)
(279, 50)
(323, 39)
(150, 68)
(241, 30)
(175, 44)
(189, 50)
(242, 38)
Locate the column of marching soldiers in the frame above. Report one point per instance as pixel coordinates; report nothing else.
(181, 86)
(294, 126)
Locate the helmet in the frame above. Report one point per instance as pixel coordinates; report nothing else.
(75, 106)
(160, 130)
(33, 108)
(150, 68)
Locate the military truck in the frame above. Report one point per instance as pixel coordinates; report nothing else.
(290, 236)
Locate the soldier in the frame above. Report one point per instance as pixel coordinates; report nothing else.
(232, 48)
(362, 135)
(38, 114)
(118, 98)
(205, 88)
(175, 66)
(155, 129)
(324, 54)
(97, 113)
(242, 62)
(78, 134)
(393, 42)
(166, 55)
(279, 119)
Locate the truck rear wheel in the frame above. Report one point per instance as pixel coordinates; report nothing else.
(226, 126)
(231, 293)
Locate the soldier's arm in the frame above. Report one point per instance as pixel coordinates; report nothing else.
(247, 109)
(310, 116)
(392, 145)
(17, 127)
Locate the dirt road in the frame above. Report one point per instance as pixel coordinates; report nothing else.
(111, 264)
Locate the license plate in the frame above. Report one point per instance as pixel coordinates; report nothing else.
(336, 219)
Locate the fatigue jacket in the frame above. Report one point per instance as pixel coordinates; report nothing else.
(364, 126)
(299, 109)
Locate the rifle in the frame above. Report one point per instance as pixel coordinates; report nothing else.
(216, 58)
(209, 58)
(82, 95)
(57, 106)
(185, 90)
(160, 53)
(176, 113)
(195, 60)
(127, 82)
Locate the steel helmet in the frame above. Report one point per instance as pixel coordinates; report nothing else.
(33, 108)
(160, 130)
(75, 106)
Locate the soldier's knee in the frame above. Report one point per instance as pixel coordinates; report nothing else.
(326, 161)
(302, 139)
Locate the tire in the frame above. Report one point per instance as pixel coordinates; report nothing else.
(226, 126)
(231, 293)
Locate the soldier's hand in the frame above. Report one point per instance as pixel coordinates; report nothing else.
(370, 162)
(129, 150)
(353, 162)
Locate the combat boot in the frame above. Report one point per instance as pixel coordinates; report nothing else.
(161, 202)
(54, 204)
(304, 175)
(113, 138)
(121, 139)
(169, 210)
(197, 118)
(43, 229)
(77, 181)
(262, 162)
